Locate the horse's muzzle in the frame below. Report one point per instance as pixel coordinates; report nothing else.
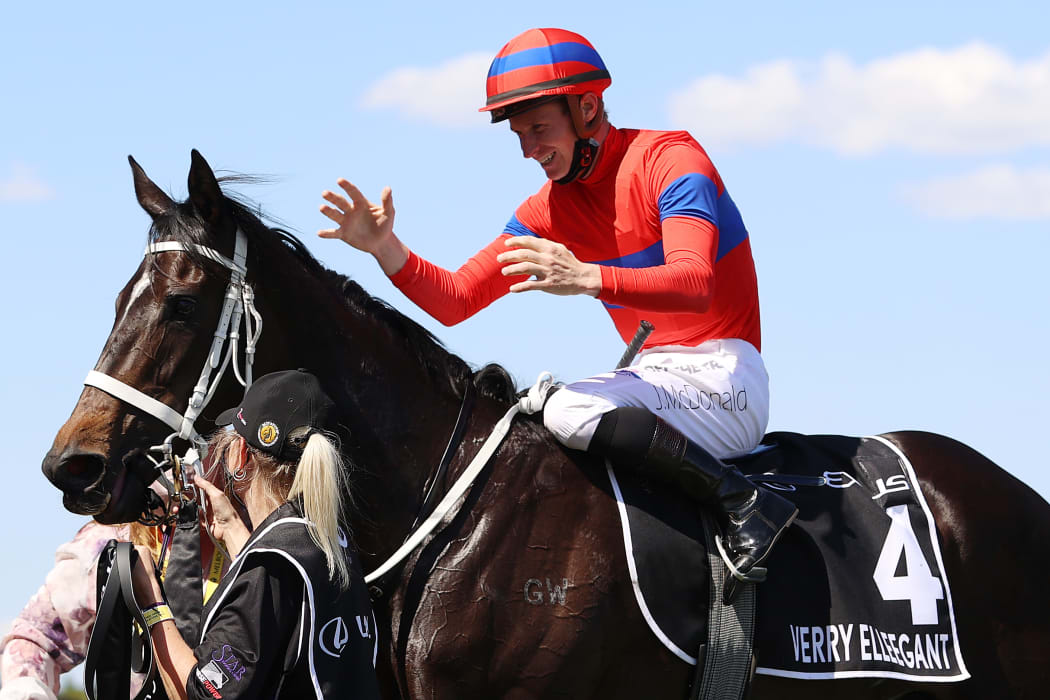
(81, 476)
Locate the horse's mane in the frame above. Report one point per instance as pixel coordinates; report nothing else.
(183, 225)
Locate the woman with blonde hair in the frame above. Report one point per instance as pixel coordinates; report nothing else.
(291, 618)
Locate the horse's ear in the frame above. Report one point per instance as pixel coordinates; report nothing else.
(205, 193)
(151, 198)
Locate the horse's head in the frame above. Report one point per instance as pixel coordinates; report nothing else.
(166, 316)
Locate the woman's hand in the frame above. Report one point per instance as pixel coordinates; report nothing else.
(223, 520)
(555, 268)
(366, 226)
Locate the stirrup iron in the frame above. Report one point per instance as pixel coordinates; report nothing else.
(756, 574)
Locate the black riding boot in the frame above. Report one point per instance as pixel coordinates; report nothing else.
(754, 518)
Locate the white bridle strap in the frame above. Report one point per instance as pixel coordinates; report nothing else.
(229, 322)
(236, 265)
(447, 504)
(129, 394)
(238, 297)
(528, 404)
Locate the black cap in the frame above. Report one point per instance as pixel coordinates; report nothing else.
(275, 405)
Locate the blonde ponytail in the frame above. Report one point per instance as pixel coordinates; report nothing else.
(321, 481)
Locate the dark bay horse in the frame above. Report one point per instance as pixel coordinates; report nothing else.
(459, 619)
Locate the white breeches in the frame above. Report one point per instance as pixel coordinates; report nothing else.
(716, 394)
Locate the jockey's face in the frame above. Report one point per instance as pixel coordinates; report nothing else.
(547, 136)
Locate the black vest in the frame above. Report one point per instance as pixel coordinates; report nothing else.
(334, 654)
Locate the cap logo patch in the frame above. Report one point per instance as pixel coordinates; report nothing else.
(268, 433)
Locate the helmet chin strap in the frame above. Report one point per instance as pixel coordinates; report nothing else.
(583, 157)
(585, 152)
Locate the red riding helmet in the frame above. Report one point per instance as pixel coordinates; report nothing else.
(543, 63)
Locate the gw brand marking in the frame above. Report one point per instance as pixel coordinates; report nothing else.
(555, 593)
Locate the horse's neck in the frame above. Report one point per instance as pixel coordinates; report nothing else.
(399, 421)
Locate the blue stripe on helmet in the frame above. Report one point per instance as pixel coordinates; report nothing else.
(546, 55)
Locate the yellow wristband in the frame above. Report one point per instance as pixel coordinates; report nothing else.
(158, 613)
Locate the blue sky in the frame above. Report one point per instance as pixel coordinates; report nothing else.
(891, 161)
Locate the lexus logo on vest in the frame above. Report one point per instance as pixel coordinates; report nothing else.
(333, 637)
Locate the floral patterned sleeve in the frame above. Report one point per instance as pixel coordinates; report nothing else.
(51, 634)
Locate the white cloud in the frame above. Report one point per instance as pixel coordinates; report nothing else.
(973, 99)
(996, 191)
(448, 94)
(22, 185)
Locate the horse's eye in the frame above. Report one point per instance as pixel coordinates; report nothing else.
(182, 308)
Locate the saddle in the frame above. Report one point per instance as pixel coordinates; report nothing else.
(856, 586)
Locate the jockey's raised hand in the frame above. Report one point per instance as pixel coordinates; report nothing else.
(366, 226)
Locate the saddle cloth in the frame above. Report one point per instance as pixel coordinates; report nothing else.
(856, 586)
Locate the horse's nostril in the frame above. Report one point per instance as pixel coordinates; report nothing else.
(78, 472)
(75, 467)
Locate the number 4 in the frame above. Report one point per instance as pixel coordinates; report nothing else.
(918, 585)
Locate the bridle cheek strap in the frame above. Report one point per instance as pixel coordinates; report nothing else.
(239, 298)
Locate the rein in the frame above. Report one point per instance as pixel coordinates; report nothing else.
(454, 440)
(531, 403)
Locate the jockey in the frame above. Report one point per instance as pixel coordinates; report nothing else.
(642, 221)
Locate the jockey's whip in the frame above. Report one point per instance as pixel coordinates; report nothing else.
(640, 336)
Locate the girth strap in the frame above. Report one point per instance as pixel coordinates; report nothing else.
(726, 663)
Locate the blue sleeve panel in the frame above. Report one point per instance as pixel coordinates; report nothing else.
(516, 228)
(696, 196)
(646, 257)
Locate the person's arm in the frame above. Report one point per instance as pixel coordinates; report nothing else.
(173, 656)
(685, 282)
(50, 635)
(246, 638)
(686, 190)
(451, 297)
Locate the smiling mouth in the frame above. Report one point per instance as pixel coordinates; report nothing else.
(548, 159)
